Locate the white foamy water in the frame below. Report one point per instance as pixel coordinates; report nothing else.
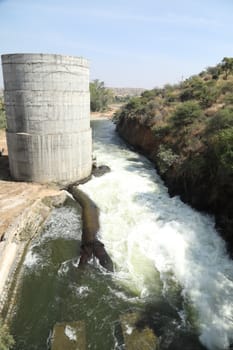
(70, 332)
(145, 231)
(31, 259)
(64, 223)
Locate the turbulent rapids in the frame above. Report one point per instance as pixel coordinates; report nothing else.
(170, 264)
(146, 231)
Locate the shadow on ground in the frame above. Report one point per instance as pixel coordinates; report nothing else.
(4, 169)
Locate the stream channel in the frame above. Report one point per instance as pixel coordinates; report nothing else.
(170, 264)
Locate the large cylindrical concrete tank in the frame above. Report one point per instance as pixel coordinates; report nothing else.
(47, 105)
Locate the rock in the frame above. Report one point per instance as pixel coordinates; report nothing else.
(100, 170)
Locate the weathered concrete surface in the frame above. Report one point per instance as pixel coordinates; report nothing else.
(69, 336)
(23, 209)
(135, 338)
(47, 104)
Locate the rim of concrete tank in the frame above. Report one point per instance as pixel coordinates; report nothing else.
(24, 58)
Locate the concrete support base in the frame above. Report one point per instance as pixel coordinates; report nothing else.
(69, 336)
(50, 158)
(137, 339)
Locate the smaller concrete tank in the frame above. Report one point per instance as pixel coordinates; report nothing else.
(47, 104)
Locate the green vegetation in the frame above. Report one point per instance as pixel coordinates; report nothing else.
(227, 66)
(6, 340)
(101, 97)
(192, 124)
(2, 114)
(186, 113)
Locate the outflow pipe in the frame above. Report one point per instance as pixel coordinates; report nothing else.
(90, 218)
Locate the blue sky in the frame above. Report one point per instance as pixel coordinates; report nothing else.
(129, 43)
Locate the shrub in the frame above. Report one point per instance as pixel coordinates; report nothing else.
(208, 96)
(186, 113)
(186, 94)
(214, 71)
(227, 66)
(150, 94)
(161, 130)
(165, 158)
(135, 104)
(226, 86)
(228, 99)
(223, 148)
(221, 120)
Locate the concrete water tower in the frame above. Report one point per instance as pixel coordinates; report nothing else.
(47, 105)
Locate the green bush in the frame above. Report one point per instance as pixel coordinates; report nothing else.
(197, 89)
(161, 130)
(227, 66)
(165, 158)
(147, 95)
(214, 71)
(221, 120)
(208, 96)
(223, 148)
(228, 99)
(135, 104)
(186, 113)
(226, 86)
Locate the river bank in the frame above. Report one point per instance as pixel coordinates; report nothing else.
(193, 189)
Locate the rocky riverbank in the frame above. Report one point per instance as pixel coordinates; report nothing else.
(196, 194)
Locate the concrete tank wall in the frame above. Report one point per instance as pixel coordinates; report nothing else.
(47, 104)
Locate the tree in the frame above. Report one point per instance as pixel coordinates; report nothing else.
(227, 66)
(101, 97)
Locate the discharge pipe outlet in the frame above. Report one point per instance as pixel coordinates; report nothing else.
(90, 244)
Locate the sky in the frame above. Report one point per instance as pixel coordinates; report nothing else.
(129, 43)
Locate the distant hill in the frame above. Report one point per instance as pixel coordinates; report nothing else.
(126, 91)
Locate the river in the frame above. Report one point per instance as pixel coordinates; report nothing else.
(170, 264)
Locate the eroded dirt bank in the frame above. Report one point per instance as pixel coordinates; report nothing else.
(196, 194)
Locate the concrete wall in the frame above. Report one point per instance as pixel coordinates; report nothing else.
(48, 117)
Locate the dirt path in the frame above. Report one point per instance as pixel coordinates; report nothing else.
(16, 196)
